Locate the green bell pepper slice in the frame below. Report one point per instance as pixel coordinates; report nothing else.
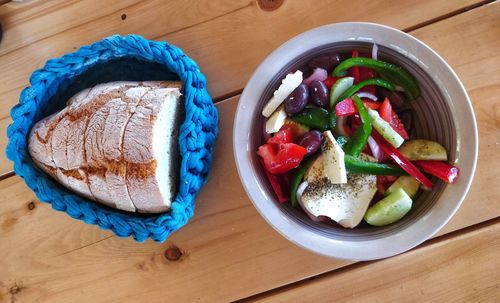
(360, 137)
(353, 89)
(388, 70)
(297, 176)
(356, 165)
(313, 117)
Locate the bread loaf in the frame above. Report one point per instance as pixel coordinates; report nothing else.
(115, 143)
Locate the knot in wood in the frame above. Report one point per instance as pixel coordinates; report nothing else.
(14, 289)
(269, 5)
(173, 253)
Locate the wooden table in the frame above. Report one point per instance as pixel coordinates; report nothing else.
(227, 251)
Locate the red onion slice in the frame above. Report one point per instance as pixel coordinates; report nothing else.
(376, 151)
(318, 74)
(367, 95)
(300, 191)
(375, 51)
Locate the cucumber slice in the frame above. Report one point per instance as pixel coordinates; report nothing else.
(385, 129)
(339, 88)
(409, 184)
(390, 209)
(420, 149)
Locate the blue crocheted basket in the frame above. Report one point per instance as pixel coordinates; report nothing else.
(112, 59)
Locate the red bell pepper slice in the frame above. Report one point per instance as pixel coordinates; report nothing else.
(354, 71)
(279, 184)
(362, 73)
(444, 171)
(365, 74)
(285, 135)
(347, 108)
(405, 164)
(281, 158)
(330, 81)
(390, 116)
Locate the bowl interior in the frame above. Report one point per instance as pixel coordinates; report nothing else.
(432, 119)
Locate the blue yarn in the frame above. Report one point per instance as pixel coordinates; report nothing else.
(111, 59)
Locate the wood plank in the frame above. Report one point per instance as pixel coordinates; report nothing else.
(42, 19)
(226, 243)
(463, 268)
(23, 217)
(216, 34)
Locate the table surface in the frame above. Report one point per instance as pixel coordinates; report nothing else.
(228, 252)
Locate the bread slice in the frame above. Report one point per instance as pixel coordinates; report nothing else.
(146, 146)
(115, 143)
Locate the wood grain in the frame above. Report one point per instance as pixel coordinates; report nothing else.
(30, 21)
(226, 243)
(463, 268)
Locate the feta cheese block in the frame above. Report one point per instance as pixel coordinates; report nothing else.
(345, 203)
(287, 86)
(329, 164)
(276, 121)
(116, 144)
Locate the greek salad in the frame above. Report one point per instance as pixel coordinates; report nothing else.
(338, 142)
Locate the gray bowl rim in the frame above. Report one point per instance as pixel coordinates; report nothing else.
(452, 90)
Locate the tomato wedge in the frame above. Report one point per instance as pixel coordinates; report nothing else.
(281, 158)
(279, 183)
(383, 182)
(390, 116)
(285, 135)
(385, 110)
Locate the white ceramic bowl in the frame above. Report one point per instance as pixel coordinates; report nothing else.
(443, 113)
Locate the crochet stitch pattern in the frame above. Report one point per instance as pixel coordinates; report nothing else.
(197, 134)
